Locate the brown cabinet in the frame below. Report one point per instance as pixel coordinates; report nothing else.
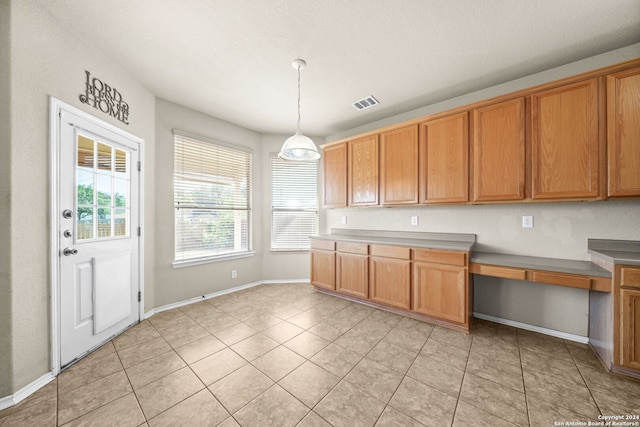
(627, 313)
(390, 276)
(565, 142)
(352, 269)
(444, 160)
(323, 264)
(499, 151)
(334, 160)
(630, 328)
(440, 285)
(623, 139)
(399, 166)
(363, 171)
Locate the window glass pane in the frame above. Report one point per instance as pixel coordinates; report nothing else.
(212, 194)
(104, 222)
(121, 163)
(85, 152)
(121, 191)
(85, 187)
(104, 190)
(84, 224)
(120, 222)
(104, 157)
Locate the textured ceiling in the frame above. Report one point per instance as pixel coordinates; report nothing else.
(232, 58)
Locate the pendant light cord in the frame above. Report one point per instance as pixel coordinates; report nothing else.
(298, 98)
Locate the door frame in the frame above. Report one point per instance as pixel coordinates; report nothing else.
(55, 108)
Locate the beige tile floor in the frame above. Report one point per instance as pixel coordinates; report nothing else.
(286, 355)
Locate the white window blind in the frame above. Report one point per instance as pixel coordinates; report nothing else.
(212, 199)
(294, 204)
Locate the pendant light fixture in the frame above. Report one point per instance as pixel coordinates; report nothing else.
(299, 147)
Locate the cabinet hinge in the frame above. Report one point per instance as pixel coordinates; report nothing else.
(139, 296)
(139, 166)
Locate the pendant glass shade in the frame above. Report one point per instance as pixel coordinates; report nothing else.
(299, 147)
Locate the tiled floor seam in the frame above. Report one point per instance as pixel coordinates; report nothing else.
(524, 385)
(466, 365)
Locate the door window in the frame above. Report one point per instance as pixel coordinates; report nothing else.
(102, 190)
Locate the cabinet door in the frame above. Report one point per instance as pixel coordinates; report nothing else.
(499, 151)
(440, 291)
(565, 142)
(334, 161)
(623, 140)
(363, 171)
(390, 281)
(630, 319)
(444, 154)
(399, 166)
(352, 276)
(323, 269)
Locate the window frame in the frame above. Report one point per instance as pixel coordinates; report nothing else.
(211, 257)
(316, 209)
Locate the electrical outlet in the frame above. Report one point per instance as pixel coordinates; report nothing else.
(234, 274)
(527, 221)
(414, 220)
(344, 219)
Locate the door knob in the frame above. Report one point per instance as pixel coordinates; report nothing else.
(67, 213)
(69, 251)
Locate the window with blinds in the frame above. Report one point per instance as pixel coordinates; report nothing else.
(212, 199)
(294, 204)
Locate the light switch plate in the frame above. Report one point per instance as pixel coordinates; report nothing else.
(344, 219)
(527, 221)
(414, 220)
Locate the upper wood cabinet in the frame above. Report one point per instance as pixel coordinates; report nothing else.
(363, 171)
(565, 142)
(499, 151)
(334, 158)
(623, 139)
(444, 159)
(399, 166)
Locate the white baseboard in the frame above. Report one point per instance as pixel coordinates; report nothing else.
(533, 328)
(218, 294)
(26, 391)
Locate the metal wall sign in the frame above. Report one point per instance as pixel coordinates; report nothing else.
(105, 98)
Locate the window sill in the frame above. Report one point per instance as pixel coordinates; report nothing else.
(289, 251)
(209, 260)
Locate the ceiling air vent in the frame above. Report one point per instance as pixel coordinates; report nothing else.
(365, 103)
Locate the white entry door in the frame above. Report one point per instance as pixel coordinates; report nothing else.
(98, 203)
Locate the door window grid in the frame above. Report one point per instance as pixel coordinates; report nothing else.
(102, 190)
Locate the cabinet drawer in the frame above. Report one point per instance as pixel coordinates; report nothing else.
(581, 282)
(440, 257)
(630, 277)
(327, 245)
(353, 248)
(498, 271)
(390, 251)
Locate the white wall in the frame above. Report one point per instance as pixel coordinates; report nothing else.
(560, 230)
(46, 60)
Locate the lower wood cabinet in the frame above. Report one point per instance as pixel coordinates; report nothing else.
(352, 269)
(627, 310)
(440, 291)
(630, 328)
(390, 276)
(427, 284)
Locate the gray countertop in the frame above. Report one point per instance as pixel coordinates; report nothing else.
(445, 241)
(568, 266)
(615, 251)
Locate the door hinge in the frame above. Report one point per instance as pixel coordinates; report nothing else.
(139, 296)
(139, 231)
(139, 166)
